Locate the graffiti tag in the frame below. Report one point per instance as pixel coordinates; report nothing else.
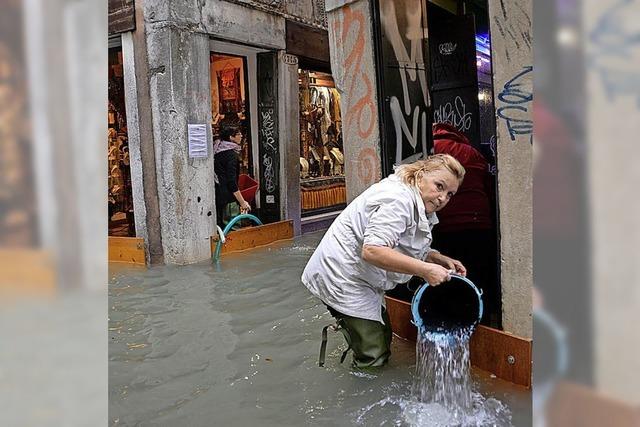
(516, 97)
(447, 48)
(455, 114)
(268, 129)
(269, 175)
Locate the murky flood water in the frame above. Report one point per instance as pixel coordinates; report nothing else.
(237, 345)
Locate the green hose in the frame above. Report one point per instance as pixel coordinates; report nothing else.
(216, 254)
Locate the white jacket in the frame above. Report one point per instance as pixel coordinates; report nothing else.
(389, 213)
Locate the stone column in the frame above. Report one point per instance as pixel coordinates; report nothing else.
(352, 64)
(289, 116)
(179, 83)
(512, 63)
(133, 133)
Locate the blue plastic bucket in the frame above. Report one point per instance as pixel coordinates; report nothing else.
(448, 307)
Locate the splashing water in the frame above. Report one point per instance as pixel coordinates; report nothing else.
(442, 370)
(402, 411)
(441, 392)
(482, 412)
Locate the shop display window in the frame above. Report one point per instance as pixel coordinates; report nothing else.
(322, 181)
(120, 199)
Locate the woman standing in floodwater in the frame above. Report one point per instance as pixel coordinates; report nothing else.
(382, 238)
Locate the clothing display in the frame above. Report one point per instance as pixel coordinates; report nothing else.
(471, 207)
(120, 196)
(120, 199)
(321, 148)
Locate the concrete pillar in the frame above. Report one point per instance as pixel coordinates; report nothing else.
(512, 62)
(142, 147)
(352, 64)
(180, 95)
(133, 133)
(289, 116)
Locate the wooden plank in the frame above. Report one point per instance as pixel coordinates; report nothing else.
(490, 348)
(121, 16)
(253, 237)
(573, 405)
(400, 315)
(309, 42)
(26, 272)
(127, 249)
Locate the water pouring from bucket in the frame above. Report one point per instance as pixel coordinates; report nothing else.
(448, 308)
(445, 316)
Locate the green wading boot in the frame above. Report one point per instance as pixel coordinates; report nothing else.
(369, 340)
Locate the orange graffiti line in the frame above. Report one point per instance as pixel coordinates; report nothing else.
(354, 58)
(336, 31)
(365, 102)
(367, 159)
(351, 18)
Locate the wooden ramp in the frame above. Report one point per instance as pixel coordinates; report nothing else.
(254, 237)
(507, 356)
(127, 249)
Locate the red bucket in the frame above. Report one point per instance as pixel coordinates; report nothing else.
(248, 187)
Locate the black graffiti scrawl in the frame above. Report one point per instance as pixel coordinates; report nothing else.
(268, 137)
(454, 79)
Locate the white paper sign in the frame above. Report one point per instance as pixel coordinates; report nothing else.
(197, 140)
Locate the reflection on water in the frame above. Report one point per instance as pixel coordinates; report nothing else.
(237, 344)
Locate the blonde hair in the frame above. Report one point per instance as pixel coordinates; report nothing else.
(409, 173)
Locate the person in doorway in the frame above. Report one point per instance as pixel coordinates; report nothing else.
(226, 167)
(466, 228)
(382, 238)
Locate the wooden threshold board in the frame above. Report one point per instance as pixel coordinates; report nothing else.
(505, 355)
(127, 249)
(489, 348)
(26, 272)
(253, 237)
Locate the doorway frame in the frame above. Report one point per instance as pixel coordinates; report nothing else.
(249, 53)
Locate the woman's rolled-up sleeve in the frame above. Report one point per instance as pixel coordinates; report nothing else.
(388, 221)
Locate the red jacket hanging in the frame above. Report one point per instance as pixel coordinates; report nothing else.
(470, 208)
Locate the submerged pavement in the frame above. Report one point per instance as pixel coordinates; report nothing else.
(237, 343)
